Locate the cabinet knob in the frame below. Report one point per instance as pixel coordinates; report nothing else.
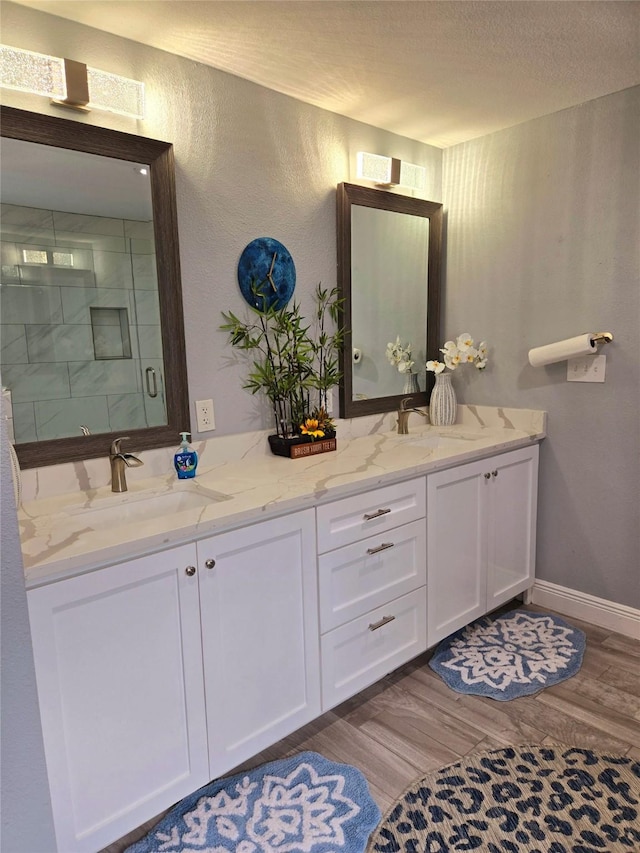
(487, 476)
(190, 570)
(494, 473)
(210, 564)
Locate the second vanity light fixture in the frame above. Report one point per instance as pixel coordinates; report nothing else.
(69, 83)
(390, 172)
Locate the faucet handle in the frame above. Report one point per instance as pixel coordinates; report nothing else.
(403, 403)
(115, 445)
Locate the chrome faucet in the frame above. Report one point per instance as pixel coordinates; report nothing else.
(119, 463)
(403, 416)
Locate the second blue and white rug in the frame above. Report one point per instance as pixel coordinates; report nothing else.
(514, 654)
(303, 804)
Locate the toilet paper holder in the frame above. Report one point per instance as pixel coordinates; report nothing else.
(602, 337)
(581, 345)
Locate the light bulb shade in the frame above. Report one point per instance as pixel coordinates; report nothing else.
(373, 167)
(115, 94)
(413, 176)
(388, 171)
(26, 71)
(70, 83)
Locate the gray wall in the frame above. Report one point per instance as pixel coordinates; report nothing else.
(542, 238)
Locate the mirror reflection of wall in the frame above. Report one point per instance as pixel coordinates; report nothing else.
(389, 252)
(80, 333)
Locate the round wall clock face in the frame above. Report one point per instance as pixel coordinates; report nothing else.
(266, 274)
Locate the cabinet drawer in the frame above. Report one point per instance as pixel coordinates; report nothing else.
(366, 649)
(367, 574)
(352, 519)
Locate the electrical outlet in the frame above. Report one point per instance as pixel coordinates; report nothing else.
(591, 368)
(204, 415)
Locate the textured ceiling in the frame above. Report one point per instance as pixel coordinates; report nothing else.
(439, 72)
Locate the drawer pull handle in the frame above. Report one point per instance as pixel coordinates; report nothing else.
(487, 476)
(210, 564)
(190, 570)
(384, 621)
(382, 547)
(369, 515)
(494, 473)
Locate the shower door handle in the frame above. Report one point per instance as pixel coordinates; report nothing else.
(152, 382)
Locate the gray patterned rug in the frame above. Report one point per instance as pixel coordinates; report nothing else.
(524, 799)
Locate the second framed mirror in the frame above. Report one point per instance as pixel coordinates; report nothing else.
(389, 251)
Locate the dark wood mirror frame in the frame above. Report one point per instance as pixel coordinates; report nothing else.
(354, 194)
(73, 135)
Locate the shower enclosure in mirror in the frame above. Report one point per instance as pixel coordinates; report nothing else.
(91, 338)
(389, 275)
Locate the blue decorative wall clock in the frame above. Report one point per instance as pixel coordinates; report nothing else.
(266, 274)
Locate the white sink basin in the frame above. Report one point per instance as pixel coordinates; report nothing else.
(131, 508)
(435, 440)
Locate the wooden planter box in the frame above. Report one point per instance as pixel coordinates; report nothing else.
(299, 446)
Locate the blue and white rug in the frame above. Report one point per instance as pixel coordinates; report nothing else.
(515, 654)
(303, 804)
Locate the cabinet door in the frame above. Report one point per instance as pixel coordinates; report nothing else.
(119, 672)
(512, 526)
(457, 513)
(260, 635)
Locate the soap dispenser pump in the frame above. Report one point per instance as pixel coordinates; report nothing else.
(185, 459)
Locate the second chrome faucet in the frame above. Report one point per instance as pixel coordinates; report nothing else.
(403, 416)
(119, 463)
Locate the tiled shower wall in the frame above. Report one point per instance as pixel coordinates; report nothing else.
(48, 346)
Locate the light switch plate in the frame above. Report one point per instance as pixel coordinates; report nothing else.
(590, 368)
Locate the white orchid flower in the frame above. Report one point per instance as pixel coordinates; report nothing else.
(465, 341)
(452, 360)
(481, 363)
(435, 366)
(482, 350)
(448, 346)
(469, 355)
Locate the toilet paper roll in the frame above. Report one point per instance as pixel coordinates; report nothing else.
(561, 350)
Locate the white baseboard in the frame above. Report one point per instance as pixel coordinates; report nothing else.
(571, 602)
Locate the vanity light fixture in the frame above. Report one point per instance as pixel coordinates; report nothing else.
(69, 83)
(390, 172)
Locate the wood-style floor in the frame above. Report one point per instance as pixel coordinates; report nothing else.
(411, 723)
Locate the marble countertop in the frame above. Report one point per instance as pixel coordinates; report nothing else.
(239, 483)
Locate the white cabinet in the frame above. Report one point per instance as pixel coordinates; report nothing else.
(119, 670)
(156, 675)
(259, 612)
(371, 579)
(481, 522)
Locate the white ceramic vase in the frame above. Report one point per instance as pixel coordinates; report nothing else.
(411, 385)
(443, 404)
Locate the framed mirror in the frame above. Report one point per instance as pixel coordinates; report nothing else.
(92, 335)
(389, 250)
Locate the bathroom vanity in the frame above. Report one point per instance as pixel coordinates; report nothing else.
(170, 648)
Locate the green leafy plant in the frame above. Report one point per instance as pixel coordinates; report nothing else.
(293, 364)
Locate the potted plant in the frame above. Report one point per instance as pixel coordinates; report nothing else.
(295, 365)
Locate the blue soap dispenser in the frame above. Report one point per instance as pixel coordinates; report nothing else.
(186, 459)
